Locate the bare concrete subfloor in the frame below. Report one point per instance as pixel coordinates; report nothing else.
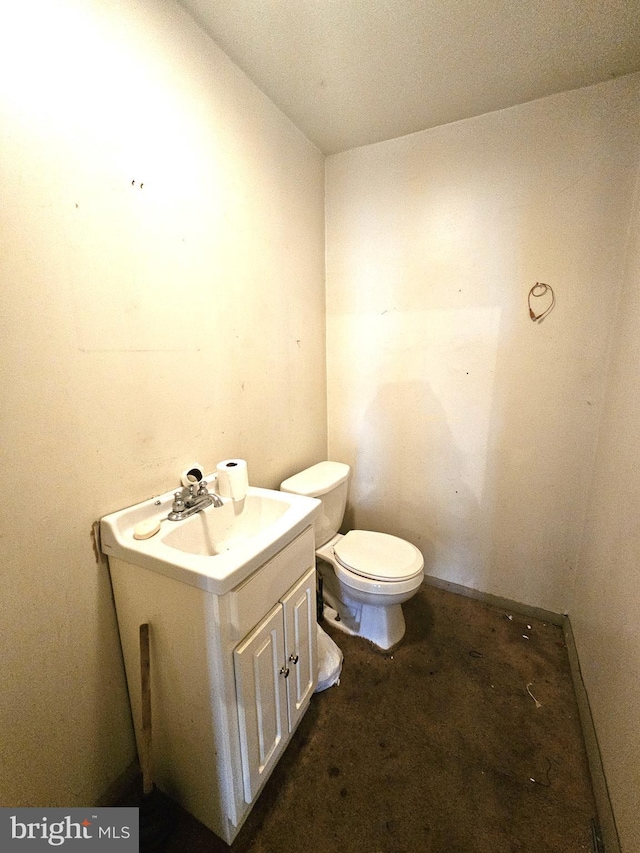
(465, 740)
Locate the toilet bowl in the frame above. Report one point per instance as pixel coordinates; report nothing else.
(367, 576)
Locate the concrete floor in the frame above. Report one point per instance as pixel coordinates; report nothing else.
(437, 748)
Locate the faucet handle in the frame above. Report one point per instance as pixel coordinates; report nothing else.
(178, 501)
(202, 489)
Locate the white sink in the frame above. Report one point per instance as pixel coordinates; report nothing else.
(218, 547)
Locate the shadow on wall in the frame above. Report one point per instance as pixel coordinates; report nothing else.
(412, 480)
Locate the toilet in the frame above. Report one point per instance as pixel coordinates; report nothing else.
(367, 576)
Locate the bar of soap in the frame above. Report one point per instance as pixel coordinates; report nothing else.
(148, 528)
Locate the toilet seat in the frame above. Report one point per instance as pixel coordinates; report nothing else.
(378, 556)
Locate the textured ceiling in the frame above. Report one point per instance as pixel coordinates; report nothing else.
(353, 72)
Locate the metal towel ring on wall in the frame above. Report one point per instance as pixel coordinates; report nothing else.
(538, 290)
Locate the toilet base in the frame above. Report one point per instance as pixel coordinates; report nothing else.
(383, 626)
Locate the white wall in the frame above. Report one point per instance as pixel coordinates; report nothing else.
(606, 601)
(162, 275)
(472, 430)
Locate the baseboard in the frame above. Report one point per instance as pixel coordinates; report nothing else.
(606, 817)
(120, 787)
(497, 601)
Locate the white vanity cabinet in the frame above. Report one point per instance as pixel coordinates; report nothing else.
(275, 677)
(231, 676)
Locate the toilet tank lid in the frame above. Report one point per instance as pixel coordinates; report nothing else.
(317, 480)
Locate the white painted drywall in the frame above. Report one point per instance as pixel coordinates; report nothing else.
(162, 275)
(472, 430)
(606, 600)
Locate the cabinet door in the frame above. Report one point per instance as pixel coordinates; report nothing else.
(262, 699)
(300, 644)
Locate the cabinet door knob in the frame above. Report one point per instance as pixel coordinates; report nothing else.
(285, 671)
(294, 658)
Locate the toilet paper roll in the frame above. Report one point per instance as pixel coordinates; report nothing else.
(191, 475)
(233, 479)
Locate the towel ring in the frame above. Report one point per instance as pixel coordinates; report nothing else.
(541, 289)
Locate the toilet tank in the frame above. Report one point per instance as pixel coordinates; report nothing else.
(329, 482)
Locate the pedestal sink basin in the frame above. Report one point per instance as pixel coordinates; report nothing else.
(218, 547)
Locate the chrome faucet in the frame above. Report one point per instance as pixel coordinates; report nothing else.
(192, 499)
